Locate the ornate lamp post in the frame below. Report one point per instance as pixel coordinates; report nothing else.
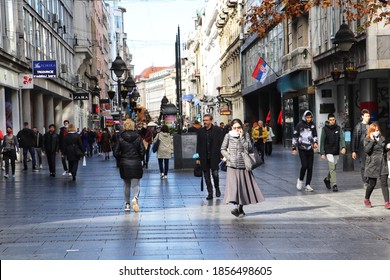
(344, 39)
(118, 67)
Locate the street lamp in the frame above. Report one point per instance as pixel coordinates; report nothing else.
(344, 39)
(118, 67)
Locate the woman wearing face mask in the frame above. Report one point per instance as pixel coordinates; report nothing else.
(376, 164)
(241, 186)
(9, 148)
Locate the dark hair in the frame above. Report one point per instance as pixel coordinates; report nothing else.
(237, 121)
(52, 125)
(365, 111)
(196, 122)
(164, 128)
(331, 115)
(208, 115)
(66, 121)
(25, 123)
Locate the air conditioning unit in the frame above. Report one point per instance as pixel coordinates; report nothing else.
(64, 68)
(54, 18)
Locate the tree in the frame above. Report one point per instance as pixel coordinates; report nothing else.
(261, 18)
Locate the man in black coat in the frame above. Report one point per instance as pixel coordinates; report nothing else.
(208, 147)
(51, 147)
(26, 139)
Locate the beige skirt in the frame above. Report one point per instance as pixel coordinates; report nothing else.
(241, 187)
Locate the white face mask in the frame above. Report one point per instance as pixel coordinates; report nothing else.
(376, 133)
(234, 133)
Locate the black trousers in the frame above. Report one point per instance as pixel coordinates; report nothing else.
(307, 159)
(260, 148)
(268, 148)
(384, 186)
(51, 160)
(73, 166)
(207, 176)
(64, 162)
(146, 157)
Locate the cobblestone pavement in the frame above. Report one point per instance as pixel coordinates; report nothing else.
(55, 218)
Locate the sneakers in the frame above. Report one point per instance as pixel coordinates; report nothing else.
(165, 177)
(13, 175)
(335, 189)
(327, 183)
(308, 188)
(387, 205)
(5, 176)
(299, 184)
(3, 168)
(65, 172)
(367, 203)
(135, 204)
(127, 207)
(40, 166)
(162, 176)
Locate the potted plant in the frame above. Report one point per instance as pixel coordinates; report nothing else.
(351, 72)
(335, 74)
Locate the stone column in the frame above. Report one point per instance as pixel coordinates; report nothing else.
(17, 122)
(3, 123)
(49, 111)
(26, 106)
(38, 112)
(369, 97)
(58, 113)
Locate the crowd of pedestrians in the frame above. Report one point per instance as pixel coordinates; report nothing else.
(131, 148)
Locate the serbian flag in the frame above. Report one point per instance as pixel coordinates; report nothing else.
(261, 70)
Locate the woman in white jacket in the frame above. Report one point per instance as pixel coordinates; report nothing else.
(165, 149)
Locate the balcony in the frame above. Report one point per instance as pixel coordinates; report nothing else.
(299, 59)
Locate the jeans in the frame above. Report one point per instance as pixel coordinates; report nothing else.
(31, 150)
(207, 176)
(307, 159)
(134, 184)
(163, 169)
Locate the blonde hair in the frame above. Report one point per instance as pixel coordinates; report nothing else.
(72, 128)
(128, 124)
(371, 129)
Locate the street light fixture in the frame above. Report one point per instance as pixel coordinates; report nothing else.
(118, 67)
(344, 39)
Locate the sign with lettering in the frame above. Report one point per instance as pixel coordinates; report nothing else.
(44, 69)
(80, 96)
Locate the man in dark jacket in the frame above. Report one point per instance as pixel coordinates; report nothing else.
(358, 135)
(332, 140)
(63, 133)
(26, 139)
(305, 141)
(51, 147)
(38, 146)
(208, 147)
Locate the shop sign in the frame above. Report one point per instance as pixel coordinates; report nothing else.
(44, 69)
(80, 96)
(26, 81)
(225, 112)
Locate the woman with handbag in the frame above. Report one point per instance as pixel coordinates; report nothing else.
(9, 148)
(241, 186)
(130, 151)
(74, 150)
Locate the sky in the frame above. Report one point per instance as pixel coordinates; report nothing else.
(152, 26)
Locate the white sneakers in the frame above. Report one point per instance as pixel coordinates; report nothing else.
(300, 186)
(127, 207)
(135, 204)
(308, 188)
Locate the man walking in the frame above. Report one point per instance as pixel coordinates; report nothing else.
(260, 135)
(305, 140)
(63, 133)
(38, 146)
(332, 139)
(359, 133)
(26, 139)
(208, 147)
(51, 147)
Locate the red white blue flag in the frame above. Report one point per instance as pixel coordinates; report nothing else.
(261, 70)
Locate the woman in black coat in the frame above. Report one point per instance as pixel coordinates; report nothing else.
(74, 150)
(376, 163)
(129, 151)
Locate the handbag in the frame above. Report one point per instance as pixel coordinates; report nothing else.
(198, 171)
(222, 165)
(252, 159)
(155, 145)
